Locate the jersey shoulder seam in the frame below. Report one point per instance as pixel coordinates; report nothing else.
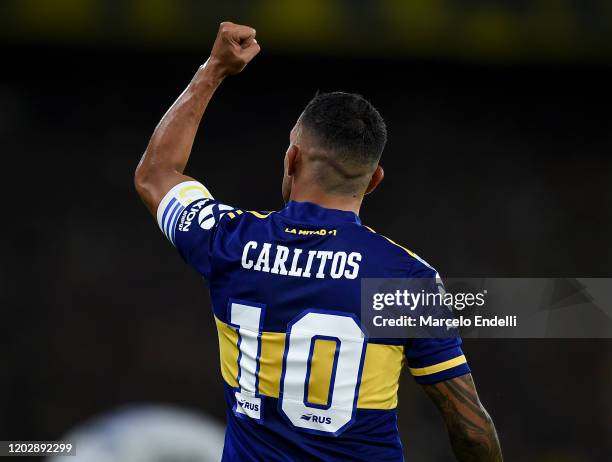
(405, 249)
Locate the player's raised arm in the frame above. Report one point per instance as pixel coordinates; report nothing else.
(166, 156)
(470, 428)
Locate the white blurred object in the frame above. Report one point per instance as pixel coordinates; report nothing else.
(146, 433)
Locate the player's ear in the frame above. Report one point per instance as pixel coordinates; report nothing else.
(377, 177)
(293, 155)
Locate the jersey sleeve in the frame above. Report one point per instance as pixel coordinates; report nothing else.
(189, 217)
(432, 360)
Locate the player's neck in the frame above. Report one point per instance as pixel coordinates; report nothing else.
(329, 201)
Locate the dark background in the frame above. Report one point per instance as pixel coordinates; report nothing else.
(494, 167)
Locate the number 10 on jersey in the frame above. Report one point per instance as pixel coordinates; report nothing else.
(303, 333)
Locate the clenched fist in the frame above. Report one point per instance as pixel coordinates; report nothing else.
(235, 46)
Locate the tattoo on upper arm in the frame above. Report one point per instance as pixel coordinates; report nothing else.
(471, 430)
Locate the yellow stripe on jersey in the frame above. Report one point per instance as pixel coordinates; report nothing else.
(271, 363)
(234, 214)
(321, 371)
(379, 379)
(371, 229)
(435, 368)
(408, 251)
(259, 214)
(228, 352)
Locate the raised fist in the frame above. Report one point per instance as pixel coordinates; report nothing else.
(234, 47)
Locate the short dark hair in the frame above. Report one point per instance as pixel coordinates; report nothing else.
(347, 124)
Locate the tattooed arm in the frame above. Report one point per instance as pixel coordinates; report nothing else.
(470, 428)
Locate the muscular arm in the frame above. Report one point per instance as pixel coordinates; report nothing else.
(166, 156)
(470, 428)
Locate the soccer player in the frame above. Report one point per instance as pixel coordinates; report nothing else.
(302, 380)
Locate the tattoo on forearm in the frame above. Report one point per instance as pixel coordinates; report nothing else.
(471, 430)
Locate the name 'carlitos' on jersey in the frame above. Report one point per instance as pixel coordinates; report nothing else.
(279, 259)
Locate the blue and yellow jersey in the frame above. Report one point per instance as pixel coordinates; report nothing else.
(302, 379)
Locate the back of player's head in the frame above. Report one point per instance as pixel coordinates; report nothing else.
(346, 136)
(347, 125)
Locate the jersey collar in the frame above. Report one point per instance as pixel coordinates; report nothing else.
(307, 212)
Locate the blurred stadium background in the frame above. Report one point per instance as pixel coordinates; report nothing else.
(498, 164)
